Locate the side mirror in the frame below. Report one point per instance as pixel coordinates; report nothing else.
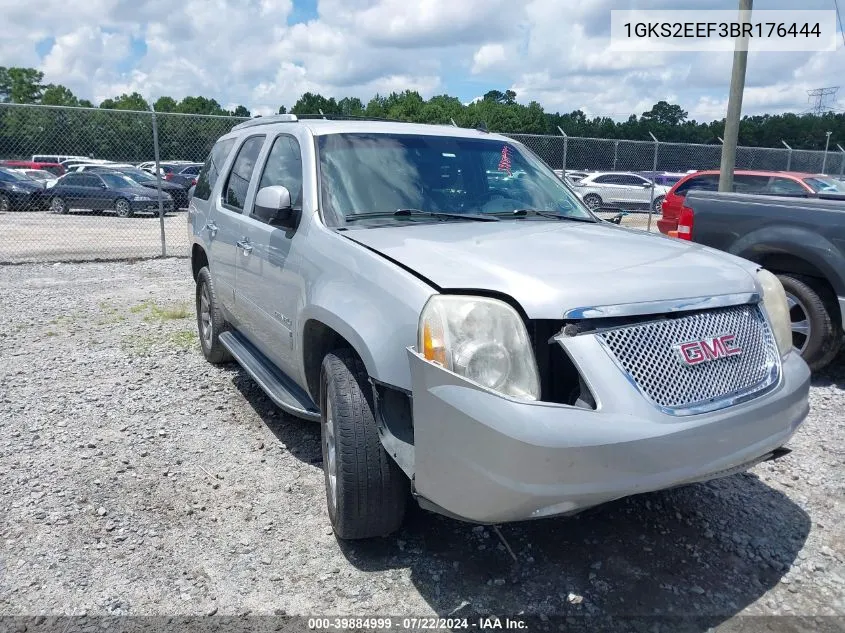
(273, 205)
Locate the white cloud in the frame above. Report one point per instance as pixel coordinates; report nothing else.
(244, 51)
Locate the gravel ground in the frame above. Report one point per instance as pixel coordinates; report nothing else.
(81, 235)
(137, 479)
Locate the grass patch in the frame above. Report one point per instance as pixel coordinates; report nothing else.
(186, 339)
(156, 312)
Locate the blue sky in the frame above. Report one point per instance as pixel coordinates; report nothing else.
(265, 53)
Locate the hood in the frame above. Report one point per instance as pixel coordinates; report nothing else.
(551, 267)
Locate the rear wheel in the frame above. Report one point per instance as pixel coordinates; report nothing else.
(657, 204)
(210, 321)
(366, 491)
(592, 200)
(58, 205)
(816, 331)
(122, 208)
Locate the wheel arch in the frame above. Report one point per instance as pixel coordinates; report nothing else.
(199, 259)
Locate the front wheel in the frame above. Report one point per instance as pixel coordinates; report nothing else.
(122, 208)
(366, 491)
(816, 330)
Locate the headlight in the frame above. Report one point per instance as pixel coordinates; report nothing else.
(774, 302)
(484, 340)
(17, 189)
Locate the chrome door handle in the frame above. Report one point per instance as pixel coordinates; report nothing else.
(211, 227)
(245, 246)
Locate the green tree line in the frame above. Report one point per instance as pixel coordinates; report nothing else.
(123, 135)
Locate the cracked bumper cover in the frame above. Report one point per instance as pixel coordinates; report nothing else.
(489, 459)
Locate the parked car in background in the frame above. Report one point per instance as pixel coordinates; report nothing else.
(88, 166)
(773, 183)
(663, 178)
(46, 178)
(53, 168)
(105, 191)
(55, 158)
(801, 240)
(145, 179)
(493, 351)
(184, 174)
(627, 190)
(18, 192)
(573, 176)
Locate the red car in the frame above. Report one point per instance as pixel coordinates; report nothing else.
(775, 183)
(53, 168)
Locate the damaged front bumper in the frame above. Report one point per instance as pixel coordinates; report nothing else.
(487, 458)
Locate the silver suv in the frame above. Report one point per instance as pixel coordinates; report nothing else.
(468, 334)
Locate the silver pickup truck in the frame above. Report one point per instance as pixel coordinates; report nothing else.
(468, 334)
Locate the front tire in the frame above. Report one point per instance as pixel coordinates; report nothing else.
(366, 491)
(5, 203)
(210, 321)
(122, 208)
(816, 331)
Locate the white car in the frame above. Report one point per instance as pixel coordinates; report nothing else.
(99, 165)
(623, 189)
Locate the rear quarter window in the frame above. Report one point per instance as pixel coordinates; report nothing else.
(709, 182)
(210, 171)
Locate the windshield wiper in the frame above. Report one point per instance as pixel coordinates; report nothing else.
(399, 213)
(523, 213)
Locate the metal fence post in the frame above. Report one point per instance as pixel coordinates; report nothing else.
(653, 169)
(788, 155)
(615, 153)
(841, 160)
(565, 142)
(158, 182)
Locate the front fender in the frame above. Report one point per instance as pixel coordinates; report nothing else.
(367, 299)
(810, 246)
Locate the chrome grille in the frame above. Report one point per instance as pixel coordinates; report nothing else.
(646, 353)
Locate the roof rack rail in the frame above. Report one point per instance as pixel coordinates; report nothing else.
(267, 120)
(293, 118)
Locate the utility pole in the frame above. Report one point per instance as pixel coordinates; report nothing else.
(726, 175)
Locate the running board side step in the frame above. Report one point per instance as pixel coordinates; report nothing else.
(287, 395)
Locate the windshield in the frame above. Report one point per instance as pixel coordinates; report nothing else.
(9, 175)
(823, 184)
(381, 173)
(137, 175)
(117, 181)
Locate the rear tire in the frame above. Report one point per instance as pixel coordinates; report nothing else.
(122, 208)
(816, 330)
(366, 491)
(657, 204)
(58, 205)
(210, 321)
(593, 200)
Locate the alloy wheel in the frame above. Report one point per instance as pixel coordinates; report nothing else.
(800, 323)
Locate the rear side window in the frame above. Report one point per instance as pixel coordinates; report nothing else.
(58, 171)
(191, 171)
(699, 183)
(237, 184)
(751, 184)
(211, 170)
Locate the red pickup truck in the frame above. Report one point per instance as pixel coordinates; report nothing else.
(775, 183)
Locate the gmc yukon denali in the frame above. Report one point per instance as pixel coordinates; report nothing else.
(469, 335)
(801, 240)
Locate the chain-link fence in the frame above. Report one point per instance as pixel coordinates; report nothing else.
(634, 176)
(91, 216)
